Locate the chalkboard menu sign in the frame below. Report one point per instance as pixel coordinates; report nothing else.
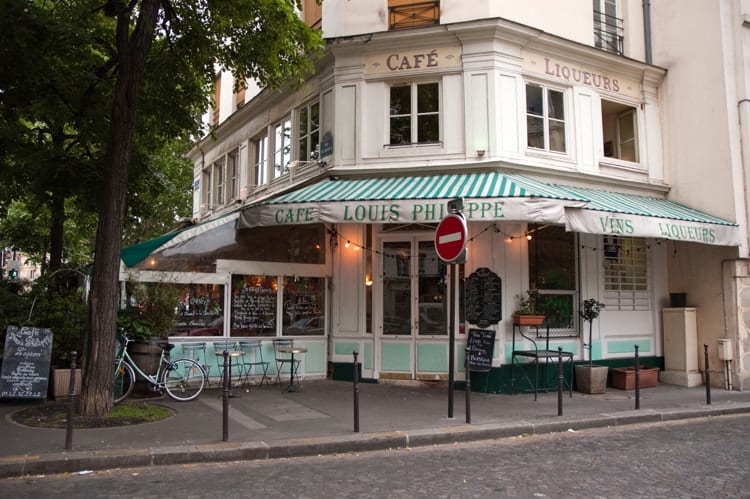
(253, 305)
(481, 346)
(26, 361)
(484, 298)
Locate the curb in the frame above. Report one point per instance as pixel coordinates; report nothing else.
(75, 461)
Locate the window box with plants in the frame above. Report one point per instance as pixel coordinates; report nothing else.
(528, 312)
(591, 378)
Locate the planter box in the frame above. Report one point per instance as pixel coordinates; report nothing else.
(624, 377)
(60, 386)
(591, 379)
(528, 320)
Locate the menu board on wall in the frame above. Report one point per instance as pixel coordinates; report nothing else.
(254, 301)
(26, 361)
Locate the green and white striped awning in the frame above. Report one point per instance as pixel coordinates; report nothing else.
(616, 213)
(415, 199)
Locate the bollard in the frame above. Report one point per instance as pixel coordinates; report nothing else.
(637, 379)
(71, 402)
(560, 379)
(467, 387)
(225, 399)
(355, 388)
(708, 375)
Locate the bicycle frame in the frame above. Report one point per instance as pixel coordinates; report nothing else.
(153, 379)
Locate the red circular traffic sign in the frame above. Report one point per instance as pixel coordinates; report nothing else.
(450, 237)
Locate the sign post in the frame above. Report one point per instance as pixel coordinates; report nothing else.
(450, 246)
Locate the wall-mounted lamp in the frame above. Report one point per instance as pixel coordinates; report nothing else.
(368, 280)
(480, 152)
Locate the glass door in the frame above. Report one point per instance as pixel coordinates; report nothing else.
(414, 306)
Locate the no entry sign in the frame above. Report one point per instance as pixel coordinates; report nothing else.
(450, 237)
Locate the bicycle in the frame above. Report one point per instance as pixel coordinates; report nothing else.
(182, 379)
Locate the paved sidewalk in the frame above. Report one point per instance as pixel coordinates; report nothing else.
(268, 423)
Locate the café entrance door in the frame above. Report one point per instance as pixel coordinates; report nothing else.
(411, 340)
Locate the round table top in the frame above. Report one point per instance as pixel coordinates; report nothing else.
(231, 353)
(288, 349)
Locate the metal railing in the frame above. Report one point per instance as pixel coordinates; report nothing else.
(608, 32)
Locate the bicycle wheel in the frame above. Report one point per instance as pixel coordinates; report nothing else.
(124, 381)
(184, 379)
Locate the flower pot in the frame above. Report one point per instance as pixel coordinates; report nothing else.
(624, 377)
(146, 354)
(528, 320)
(591, 379)
(60, 385)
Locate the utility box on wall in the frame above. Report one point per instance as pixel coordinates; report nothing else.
(680, 347)
(725, 349)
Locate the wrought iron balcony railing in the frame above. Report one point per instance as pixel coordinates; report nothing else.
(608, 32)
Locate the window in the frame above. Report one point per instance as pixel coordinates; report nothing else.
(415, 114)
(608, 28)
(282, 147)
(411, 13)
(625, 273)
(219, 178)
(206, 189)
(253, 306)
(309, 132)
(239, 95)
(260, 163)
(545, 118)
(303, 306)
(233, 175)
(620, 131)
(552, 271)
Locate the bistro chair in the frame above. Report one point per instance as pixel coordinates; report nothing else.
(197, 352)
(252, 360)
(283, 359)
(236, 363)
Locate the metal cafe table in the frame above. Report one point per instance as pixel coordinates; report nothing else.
(535, 354)
(292, 350)
(230, 355)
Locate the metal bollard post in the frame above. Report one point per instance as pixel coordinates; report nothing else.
(355, 378)
(225, 399)
(467, 387)
(560, 379)
(708, 375)
(71, 402)
(637, 379)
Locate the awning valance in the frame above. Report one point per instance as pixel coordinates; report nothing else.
(616, 213)
(415, 199)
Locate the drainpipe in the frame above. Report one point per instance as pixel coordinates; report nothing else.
(647, 29)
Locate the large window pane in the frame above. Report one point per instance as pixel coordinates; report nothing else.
(397, 288)
(427, 98)
(428, 128)
(254, 302)
(200, 312)
(401, 130)
(400, 100)
(304, 306)
(534, 103)
(433, 306)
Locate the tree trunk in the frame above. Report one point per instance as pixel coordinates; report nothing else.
(96, 396)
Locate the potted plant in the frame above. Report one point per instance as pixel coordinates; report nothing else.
(149, 318)
(528, 312)
(591, 378)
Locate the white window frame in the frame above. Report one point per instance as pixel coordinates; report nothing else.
(311, 130)
(219, 180)
(206, 185)
(233, 175)
(616, 141)
(260, 160)
(415, 114)
(546, 118)
(282, 147)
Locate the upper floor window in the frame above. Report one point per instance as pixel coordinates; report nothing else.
(219, 179)
(412, 13)
(620, 131)
(206, 189)
(545, 118)
(415, 114)
(282, 147)
(309, 132)
(625, 273)
(608, 28)
(233, 175)
(260, 161)
(239, 95)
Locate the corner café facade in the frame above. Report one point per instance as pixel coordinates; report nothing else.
(349, 264)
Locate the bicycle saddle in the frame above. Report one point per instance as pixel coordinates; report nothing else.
(166, 346)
